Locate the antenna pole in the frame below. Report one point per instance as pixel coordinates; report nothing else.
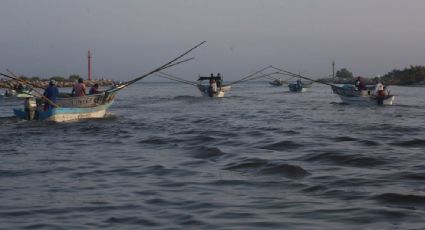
(89, 65)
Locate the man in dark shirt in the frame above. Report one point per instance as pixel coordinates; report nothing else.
(51, 93)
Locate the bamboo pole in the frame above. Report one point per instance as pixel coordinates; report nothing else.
(40, 94)
(165, 66)
(298, 75)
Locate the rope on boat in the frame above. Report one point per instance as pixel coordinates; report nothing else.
(247, 78)
(165, 66)
(174, 78)
(299, 76)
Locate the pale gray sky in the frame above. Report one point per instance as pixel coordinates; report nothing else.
(130, 37)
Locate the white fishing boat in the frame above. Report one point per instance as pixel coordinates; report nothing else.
(350, 95)
(221, 91)
(215, 88)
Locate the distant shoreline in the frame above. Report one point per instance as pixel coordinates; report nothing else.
(62, 84)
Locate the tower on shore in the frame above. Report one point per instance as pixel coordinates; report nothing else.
(89, 65)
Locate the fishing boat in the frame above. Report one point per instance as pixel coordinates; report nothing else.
(8, 93)
(299, 86)
(277, 82)
(219, 90)
(215, 86)
(67, 108)
(350, 95)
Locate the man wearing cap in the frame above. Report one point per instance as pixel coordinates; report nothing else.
(51, 92)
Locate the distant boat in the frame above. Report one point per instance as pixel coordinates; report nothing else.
(350, 95)
(277, 82)
(8, 93)
(299, 86)
(207, 89)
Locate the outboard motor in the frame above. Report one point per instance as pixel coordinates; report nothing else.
(30, 107)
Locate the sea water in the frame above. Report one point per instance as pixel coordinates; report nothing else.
(259, 158)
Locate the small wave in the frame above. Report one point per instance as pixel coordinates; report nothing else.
(410, 143)
(160, 170)
(186, 97)
(231, 182)
(337, 158)
(369, 143)
(344, 138)
(264, 167)
(282, 145)
(255, 133)
(408, 176)
(211, 153)
(401, 199)
(154, 141)
(201, 139)
(131, 221)
(315, 188)
(157, 140)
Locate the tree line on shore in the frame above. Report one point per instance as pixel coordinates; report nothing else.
(61, 81)
(413, 75)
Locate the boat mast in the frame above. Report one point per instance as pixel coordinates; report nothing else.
(333, 71)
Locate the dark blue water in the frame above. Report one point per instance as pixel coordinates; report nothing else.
(260, 158)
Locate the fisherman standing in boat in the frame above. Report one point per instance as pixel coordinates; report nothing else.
(359, 84)
(379, 92)
(299, 85)
(213, 87)
(79, 89)
(51, 93)
(219, 81)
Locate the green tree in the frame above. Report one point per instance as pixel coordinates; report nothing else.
(74, 77)
(408, 76)
(343, 74)
(23, 77)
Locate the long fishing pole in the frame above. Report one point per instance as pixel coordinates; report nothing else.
(174, 78)
(250, 75)
(297, 75)
(165, 66)
(265, 75)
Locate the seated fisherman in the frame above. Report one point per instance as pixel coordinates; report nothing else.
(79, 89)
(94, 89)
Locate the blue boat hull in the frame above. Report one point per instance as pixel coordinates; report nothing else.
(68, 108)
(66, 114)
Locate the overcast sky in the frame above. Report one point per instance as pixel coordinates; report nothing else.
(131, 37)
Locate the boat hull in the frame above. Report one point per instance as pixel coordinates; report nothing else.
(296, 89)
(276, 83)
(66, 114)
(70, 109)
(220, 93)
